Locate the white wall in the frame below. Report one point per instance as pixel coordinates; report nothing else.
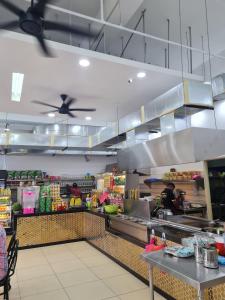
(57, 165)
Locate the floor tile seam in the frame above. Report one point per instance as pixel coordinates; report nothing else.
(30, 268)
(80, 268)
(64, 289)
(111, 298)
(109, 288)
(19, 293)
(121, 294)
(41, 293)
(52, 262)
(55, 274)
(30, 279)
(35, 278)
(18, 287)
(131, 292)
(98, 265)
(67, 294)
(77, 269)
(81, 283)
(105, 277)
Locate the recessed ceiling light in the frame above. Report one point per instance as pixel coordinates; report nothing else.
(130, 80)
(51, 115)
(17, 86)
(141, 75)
(84, 63)
(88, 118)
(207, 82)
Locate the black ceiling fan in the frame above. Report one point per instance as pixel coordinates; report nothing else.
(32, 21)
(65, 107)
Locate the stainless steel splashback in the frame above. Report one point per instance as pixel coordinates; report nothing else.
(139, 208)
(186, 146)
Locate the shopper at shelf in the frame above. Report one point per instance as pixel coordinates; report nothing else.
(3, 253)
(75, 191)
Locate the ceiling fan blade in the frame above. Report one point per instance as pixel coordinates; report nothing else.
(40, 7)
(9, 25)
(82, 109)
(43, 46)
(49, 25)
(48, 112)
(45, 104)
(71, 115)
(70, 101)
(11, 7)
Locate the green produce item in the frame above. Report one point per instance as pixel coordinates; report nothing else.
(111, 209)
(23, 175)
(120, 180)
(17, 175)
(45, 199)
(17, 207)
(48, 204)
(38, 174)
(11, 175)
(30, 175)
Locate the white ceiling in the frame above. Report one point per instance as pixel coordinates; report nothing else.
(102, 86)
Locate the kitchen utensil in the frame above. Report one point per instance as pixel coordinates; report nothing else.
(210, 258)
(198, 253)
(164, 213)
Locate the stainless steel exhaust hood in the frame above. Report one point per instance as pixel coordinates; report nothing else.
(218, 86)
(186, 146)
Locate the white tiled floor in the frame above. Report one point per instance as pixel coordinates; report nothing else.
(73, 271)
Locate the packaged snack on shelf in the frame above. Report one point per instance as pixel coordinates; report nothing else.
(44, 197)
(5, 207)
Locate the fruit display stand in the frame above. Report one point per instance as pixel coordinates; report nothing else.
(5, 208)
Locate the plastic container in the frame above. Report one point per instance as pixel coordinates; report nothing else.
(27, 211)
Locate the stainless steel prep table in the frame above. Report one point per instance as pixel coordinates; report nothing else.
(185, 269)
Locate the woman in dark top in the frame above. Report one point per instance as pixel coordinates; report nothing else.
(75, 191)
(168, 196)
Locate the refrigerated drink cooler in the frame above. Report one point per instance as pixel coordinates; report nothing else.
(28, 198)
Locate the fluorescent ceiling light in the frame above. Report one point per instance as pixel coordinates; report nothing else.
(84, 63)
(207, 82)
(51, 115)
(17, 86)
(88, 118)
(141, 75)
(56, 127)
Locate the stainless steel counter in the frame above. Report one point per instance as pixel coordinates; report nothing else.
(185, 269)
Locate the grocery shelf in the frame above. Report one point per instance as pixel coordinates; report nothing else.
(174, 181)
